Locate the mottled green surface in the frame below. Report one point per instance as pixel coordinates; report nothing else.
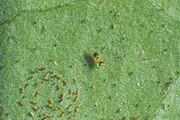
(138, 40)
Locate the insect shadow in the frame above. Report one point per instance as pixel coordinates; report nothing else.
(89, 60)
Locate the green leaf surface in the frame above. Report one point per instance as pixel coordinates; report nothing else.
(44, 44)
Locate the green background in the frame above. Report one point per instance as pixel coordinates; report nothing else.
(137, 39)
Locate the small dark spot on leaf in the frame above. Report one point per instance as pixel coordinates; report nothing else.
(165, 49)
(111, 11)
(153, 66)
(170, 78)
(142, 25)
(130, 73)
(163, 25)
(177, 73)
(99, 30)
(124, 118)
(158, 82)
(151, 31)
(55, 45)
(95, 104)
(136, 105)
(122, 38)
(109, 97)
(34, 22)
(1, 67)
(50, 60)
(83, 21)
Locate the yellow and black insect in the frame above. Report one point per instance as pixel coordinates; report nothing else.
(50, 104)
(98, 59)
(31, 114)
(35, 108)
(21, 103)
(58, 87)
(77, 109)
(62, 97)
